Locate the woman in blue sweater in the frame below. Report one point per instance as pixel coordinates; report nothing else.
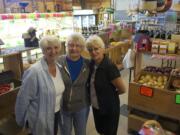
(38, 100)
(75, 71)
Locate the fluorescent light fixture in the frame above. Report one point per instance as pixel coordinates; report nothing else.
(83, 12)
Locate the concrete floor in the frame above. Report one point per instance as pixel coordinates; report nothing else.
(9, 127)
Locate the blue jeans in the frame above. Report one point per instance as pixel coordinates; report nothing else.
(76, 119)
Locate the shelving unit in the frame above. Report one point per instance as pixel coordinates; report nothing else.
(12, 60)
(147, 103)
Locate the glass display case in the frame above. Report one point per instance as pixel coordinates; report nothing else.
(84, 21)
(12, 26)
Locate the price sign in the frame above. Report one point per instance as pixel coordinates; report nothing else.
(146, 91)
(177, 98)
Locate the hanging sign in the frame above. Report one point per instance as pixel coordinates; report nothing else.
(4, 17)
(33, 15)
(23, 16)
(17, 16)
(10, 16)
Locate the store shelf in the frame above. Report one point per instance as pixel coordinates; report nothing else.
(163, 56)
(13, 61)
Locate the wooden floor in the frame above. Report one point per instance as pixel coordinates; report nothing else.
(10, 128)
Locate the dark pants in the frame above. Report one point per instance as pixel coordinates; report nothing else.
(56, 122)
(106, 123)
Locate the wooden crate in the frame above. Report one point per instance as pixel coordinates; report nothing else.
(7, 101)
(161, 103)
(135, 122)
(144, 73)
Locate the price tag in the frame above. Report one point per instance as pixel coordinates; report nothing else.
(177, 98)
(146, 91)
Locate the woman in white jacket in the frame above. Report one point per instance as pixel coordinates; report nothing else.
(38, 100)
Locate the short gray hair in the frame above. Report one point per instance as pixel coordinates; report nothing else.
(47, 41)
(76, 38)
(95, 40)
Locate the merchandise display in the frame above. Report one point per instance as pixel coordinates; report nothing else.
(153, 80)
(8, 82)
(156, 87)
(158, 70)
(174, 81)
(85, 22)
(156, 92)
(165, 47)
(12, 26)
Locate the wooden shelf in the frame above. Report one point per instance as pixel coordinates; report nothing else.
(157, 54)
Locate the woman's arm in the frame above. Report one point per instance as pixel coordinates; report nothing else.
(24, 97)
(119, 84)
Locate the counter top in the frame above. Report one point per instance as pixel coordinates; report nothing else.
(5, 52)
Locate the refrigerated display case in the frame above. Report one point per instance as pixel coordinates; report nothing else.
(85, 21)
(105, 17)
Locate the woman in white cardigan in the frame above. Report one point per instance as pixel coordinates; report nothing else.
(38, 100)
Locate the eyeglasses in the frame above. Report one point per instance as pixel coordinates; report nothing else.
(93, 49)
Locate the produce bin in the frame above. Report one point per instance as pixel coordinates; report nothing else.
(8, 98)
(157, 101)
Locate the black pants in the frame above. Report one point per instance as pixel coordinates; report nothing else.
(56, 122)
(106, 123)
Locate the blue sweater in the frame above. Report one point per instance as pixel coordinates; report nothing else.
(74, 67)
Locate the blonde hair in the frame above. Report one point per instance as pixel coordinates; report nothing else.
(49, 41)
(76, 38)
(95, 40)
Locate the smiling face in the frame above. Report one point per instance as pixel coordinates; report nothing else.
(97, 53)
(95, 46)
(50, 46)
(51, 53)
(75, 45)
